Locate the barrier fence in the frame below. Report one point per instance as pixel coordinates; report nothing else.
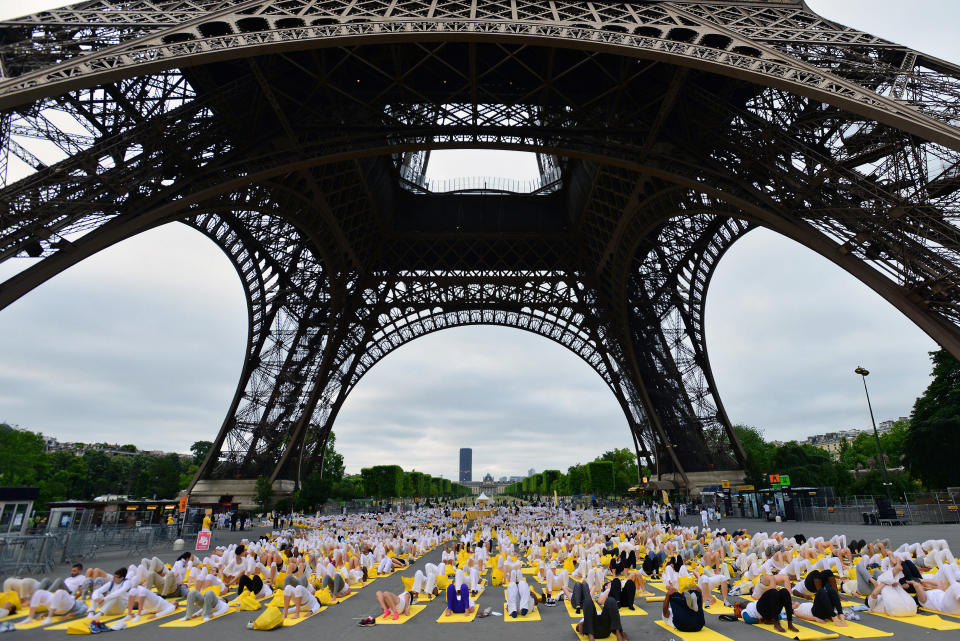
(913, 508)
(39, 553)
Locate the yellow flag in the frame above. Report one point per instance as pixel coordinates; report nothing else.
(666, 499)
(556, 501)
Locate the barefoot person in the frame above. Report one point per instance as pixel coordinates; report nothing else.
(767, 609)
(395, 605)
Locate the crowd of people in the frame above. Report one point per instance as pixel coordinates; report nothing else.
(599, 561)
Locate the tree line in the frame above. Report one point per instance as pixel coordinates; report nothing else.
(612, 473)
(63, 475)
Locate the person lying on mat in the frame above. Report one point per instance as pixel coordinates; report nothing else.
(599, 625)
(768, 609)
(684, 610)
(939, 596)
(396, 604)
(148, 604)
(57, 603)
(458, 596)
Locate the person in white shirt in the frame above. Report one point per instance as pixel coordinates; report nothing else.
(57, 603)
(149, 604)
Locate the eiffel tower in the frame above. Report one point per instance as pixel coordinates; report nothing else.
(296, 134)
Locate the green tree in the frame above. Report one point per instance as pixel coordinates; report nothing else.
(624, 468)
(164, 481)
(263, 494)
(934, 434)
(759, 461)
(577, 479)
(199, 450)
(602, 481)
(22, 457)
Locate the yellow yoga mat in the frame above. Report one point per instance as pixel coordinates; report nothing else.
(42, 622)
(193, 621)
(582, 637)
(178, 611)
(64, 626)
(289, 623)
(533, 615)
(341, 599)
(718, 608)
(930, 621)
(853, 630)
(570, 610)
(945, 614)
(805, 634)
(706, 634)
(414, 611)
(458, 618)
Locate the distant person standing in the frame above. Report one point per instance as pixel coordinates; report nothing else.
(766, 511)
(704, 519)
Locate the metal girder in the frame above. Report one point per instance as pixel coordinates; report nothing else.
(295, 134)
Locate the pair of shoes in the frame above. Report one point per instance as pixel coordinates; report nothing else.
(551, 602)
(578, 610)
(691, 600)
(368, 621)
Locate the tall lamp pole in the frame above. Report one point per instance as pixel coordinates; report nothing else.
(886, 481)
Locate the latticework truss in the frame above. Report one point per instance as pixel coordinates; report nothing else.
(295, 134)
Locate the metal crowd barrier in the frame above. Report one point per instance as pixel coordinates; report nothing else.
(28, 554)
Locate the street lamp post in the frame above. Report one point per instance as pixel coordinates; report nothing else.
(883, 465)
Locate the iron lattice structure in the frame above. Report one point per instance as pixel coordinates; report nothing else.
(295, 135)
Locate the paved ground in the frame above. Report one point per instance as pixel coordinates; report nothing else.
(340, 621)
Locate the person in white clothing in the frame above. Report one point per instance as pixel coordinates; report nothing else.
(940, 597)
(57, 603)
(149, 604)
(302, 599)
(518, 595)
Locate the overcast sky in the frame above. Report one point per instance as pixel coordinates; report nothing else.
(143, 343)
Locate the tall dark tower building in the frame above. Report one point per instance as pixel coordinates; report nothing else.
(466, 464)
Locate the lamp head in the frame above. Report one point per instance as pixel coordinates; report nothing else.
(861, 371)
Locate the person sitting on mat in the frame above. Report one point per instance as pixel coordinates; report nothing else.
(768, 609)
(302, 598)
(684, 610)
(599, 625)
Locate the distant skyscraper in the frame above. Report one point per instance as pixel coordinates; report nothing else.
(466, 464)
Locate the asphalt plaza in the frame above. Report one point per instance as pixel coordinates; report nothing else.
(340, 621)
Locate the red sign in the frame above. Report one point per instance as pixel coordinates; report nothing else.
(183, 504)
(203, 541)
